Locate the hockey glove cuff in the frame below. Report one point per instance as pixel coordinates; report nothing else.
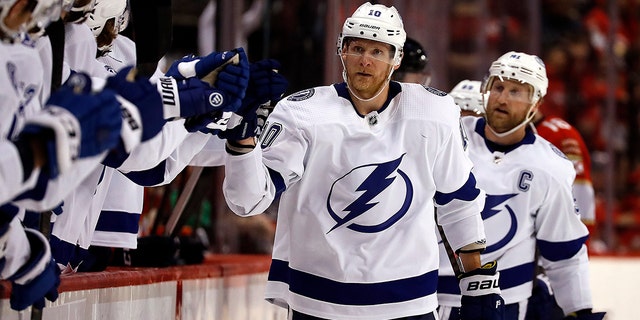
(585, 314)
(38, 279)
(481, 294)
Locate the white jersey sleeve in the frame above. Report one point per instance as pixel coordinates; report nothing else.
(80, 50)
(150, 153)
(182, 156)
(48, 194)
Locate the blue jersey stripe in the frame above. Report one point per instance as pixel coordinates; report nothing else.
(150, 177)
(277, 180)
(467, 192)
(555, 251)
(117, 221)
(358, 294)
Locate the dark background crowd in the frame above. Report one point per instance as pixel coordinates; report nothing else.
(591, 49)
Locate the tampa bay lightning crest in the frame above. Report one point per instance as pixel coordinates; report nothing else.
(370, 198)
(302, 95)
(497, 205)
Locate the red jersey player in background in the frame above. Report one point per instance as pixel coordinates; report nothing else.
(567, 138)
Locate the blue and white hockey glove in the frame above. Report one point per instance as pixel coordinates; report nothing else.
(206, 67)
(141, 113)
(481, 298)
(38, 279)
(585, 314)
(266, 87)
(141, 93)
(227, 72)
(75, 123)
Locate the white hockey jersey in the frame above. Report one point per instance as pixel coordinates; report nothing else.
(355, 234)
(529, 204)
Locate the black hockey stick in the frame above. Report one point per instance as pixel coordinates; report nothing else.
(453, 257)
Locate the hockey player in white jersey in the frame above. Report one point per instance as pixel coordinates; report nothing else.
(41, 143)
(529, 204)
(359, 167)
(73, 231)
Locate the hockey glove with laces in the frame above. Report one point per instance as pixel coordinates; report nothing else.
(585, 314)
(481, 298)
(38, 279)
(75, 124)
(266, 87)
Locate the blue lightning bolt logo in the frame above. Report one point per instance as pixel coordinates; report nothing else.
(490, 210)
(378, 181)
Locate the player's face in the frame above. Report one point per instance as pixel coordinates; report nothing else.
(508, 105)
(368, 64)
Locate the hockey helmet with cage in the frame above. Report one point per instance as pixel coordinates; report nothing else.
(414, 57)
(521, 67)
(375, 22)
(104, 11)
(467, 96)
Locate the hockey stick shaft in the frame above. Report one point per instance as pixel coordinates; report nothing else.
(183, 199)
(453, 258)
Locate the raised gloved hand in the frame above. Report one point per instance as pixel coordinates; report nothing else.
(266, 87)
(227, 72)
(38, 278)
(142, 117)
(585, 314)
(481, 298)
(204, 68)
(75, 123)
(144, 96)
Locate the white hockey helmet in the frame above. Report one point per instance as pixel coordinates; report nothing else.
(45, 12)
(467, 96)
(522, 67)
(104, 11)
(125, 17)
(9, 34)
(375, 22)
(78, 10)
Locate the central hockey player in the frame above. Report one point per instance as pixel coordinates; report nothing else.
(359, 167)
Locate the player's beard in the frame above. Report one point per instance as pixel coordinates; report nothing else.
(501, 122)
(367, 85)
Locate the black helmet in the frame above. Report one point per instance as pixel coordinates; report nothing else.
(415, 58)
